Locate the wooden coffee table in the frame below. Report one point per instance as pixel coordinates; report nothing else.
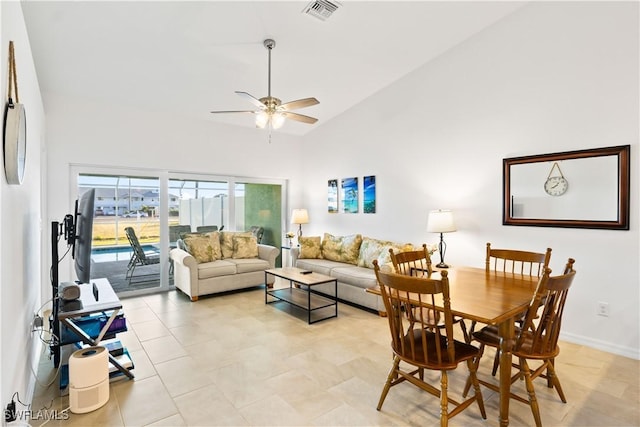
(300, 292)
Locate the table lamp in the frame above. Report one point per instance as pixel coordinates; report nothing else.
(299, 216)
(441, 221)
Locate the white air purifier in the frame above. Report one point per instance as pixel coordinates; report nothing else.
(88, 379)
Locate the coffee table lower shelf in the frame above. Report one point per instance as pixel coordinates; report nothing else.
(302, 296)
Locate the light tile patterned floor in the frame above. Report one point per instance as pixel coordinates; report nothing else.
(231, 360)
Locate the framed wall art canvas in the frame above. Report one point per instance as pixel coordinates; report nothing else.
(369, 194)
(350, 195)
(332, 196)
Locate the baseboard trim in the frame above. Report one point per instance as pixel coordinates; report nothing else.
(632, 353)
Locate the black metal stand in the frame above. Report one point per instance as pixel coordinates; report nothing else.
(442, 248)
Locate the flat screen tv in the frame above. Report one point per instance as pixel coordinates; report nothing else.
(83, 235)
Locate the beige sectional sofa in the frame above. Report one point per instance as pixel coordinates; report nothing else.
(350, 260)
(210, 263)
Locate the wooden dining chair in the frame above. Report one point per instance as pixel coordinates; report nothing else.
(417, 344)
(515, 262)
(537, 339)
(418, 263)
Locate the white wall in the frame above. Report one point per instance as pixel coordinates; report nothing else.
(551, 77)
(21, 271)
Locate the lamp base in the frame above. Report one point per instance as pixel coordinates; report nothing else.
(442, 265)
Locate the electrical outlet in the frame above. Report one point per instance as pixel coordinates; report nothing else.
(603, 309)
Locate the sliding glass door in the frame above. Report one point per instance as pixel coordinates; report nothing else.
(126, 230)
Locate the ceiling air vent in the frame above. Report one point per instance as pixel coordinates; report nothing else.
(321, 9)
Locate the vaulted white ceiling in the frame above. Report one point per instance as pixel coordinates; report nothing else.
(188, 58)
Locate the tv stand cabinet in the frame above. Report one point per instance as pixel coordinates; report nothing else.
(86, 305)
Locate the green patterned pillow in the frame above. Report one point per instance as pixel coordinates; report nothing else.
(245, 247)
(199, 246)
(372, 249)
(310, 247)
(385, 257)
(341, 248)
(214, 238)
(226, 241)
(379, 249)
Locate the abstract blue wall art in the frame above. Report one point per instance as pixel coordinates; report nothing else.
(369, 190)
(350, 195)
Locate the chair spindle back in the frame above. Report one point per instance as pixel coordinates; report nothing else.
(410, 262)
(515, 261)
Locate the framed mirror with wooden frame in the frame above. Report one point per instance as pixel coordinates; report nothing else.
(577, 189)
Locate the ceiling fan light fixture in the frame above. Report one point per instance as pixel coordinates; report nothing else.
(262, 118)
(270, 110)
(277, 120)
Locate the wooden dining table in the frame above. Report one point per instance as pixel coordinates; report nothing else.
(493, 298)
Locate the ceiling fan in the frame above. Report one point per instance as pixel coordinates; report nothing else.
(270, 110)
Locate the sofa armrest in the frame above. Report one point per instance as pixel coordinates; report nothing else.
(295, 253)
(268, 253)
(185, 272)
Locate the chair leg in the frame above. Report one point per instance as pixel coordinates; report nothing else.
(549, 381)
(476, 386)
(130, 273)
(444, 399)
(496, 362)
(533, 402)
(476, 364)
(551, 374)
(467, 337)
(387, 385)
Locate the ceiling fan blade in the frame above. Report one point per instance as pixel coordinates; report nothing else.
(299, 117)
(255, 101)
(299, 103)
(236, 111)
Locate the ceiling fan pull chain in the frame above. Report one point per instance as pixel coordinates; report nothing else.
(13, 76)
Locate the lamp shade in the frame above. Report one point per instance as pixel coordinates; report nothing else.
(299, 216)
(441, 221)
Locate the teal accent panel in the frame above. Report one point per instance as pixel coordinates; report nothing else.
(263, 207)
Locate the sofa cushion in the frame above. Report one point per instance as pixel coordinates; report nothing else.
(310, 247)
(248, 265)
(341, 248)
(322, 266)
(356, 276)
(226, 241)
(216, 268)
(245, 247)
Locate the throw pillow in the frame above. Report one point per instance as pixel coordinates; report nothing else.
(372, 249)
(214, 239)
(310, 247)
(385, 257)
(226, 242)
(341, 248)
(245, 247)
(199, 246)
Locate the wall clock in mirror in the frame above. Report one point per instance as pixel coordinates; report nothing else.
(556, 185)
